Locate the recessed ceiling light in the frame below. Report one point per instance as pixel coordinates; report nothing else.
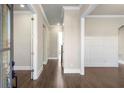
(22, 5)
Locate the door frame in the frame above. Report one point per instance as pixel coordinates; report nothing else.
(34, 40)
(90, 9)
(34, 48)
(82, 72)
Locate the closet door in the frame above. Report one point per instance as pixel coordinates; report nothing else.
(5, 49)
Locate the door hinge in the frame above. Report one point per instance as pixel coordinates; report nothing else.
(32, 70)
(32, 18)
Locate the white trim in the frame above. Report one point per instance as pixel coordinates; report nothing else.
(34, 35)
(82, 72)
(44, 15)
(89, 10)
(121, 61)
(22, 12)
(22, 67)
(42, 12)
(35, 48)
(36, 72)
(71, 7)
(39, 72)
(53, 58)
(105, 16)
(102, 66)
(45, 62)
(31, 8)
(71, 70)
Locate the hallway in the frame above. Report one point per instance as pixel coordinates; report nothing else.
(52, 77)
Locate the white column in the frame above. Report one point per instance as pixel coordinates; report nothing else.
(35, 50)
(82, 45)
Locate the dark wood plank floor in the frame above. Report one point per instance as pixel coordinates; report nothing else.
(52, 77)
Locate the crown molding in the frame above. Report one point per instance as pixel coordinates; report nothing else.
(22, 12)
(104, 16)
(42, 12)
(44, 15)
(71, 7)
(89, 10)
(80, 5)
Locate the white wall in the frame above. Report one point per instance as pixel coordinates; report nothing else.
(45, 45)
(40, 21)
(101, 42)
(53, 41)
(22, 33)
(72, 45)
(22, 41)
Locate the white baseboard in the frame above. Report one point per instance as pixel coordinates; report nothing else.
(39, 72)
(121, 61)
(71, 70)
(22, 68)
(53, 58)
(82, 71)
(101, 65)
(45, 62)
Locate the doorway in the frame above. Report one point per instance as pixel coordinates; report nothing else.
(121, 45)
(24, 40)
(60, 49)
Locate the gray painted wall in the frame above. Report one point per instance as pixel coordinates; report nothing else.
(22, 39)
(101, 41)
(53, 41)
(72, 45)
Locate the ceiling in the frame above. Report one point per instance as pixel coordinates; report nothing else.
(109, 9)
(18, 8)
(54, 12)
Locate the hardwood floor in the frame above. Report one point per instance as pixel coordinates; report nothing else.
(53, 77)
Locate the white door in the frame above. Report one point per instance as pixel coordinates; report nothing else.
(34, 47)
(32, 70)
